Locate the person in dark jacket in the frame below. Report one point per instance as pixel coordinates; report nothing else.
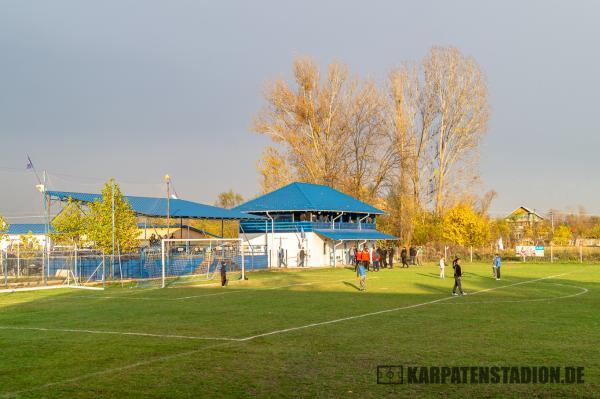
(383, 253)
(403, 257)
(457, 276)
(302, 256)
(391, 257)
(223, 274)
(412, 252)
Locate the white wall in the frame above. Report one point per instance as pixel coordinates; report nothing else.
(313, 245)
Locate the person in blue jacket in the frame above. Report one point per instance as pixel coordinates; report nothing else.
(497, 266)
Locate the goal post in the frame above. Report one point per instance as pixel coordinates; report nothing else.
(200, 259)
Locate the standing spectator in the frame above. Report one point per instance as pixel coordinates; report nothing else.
(376, 259)
(383, 253)
(420, 256)
(412, 252)
(403, 257)
(457, 276)
(359, 260)
(362, 275)
(442, 267)
(302, 256)
(497, 266)
(366, 257)
(391, 257)
(224, 280)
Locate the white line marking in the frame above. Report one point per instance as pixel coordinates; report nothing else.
(322, 323)
(551, 298)
(111, 370)
(50, 287)
(139, 334)
(250, 289)
(159, 359)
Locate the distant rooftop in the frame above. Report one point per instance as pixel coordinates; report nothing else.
(157, 207)
(307, 197)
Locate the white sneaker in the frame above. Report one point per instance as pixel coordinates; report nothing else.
(464, 293)
(454, 294)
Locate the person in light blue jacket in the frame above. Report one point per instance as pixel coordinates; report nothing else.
(497, 263)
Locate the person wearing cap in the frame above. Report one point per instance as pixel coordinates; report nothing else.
(457, 276)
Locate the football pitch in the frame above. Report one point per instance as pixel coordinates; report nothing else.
(307, 333)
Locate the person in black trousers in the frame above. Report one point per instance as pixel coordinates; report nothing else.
(391, 257)
(412, 252)
(457, 276)
(224, 280)
(403, 257)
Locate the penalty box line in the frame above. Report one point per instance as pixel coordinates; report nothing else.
(253, 337)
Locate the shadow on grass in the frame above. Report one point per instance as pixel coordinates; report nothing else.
(352, 285)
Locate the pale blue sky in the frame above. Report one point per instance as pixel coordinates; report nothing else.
(136, 89)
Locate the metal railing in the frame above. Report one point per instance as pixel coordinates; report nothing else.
(252, 226)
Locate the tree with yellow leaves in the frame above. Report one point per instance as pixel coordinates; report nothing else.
(463, 226)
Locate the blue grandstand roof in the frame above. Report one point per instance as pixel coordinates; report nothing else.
(354, 235)
(25, 228)
(157, 207)
(306, 197)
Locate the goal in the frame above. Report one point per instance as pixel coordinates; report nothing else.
(188, 261)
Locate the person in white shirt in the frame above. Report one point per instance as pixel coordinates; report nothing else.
(442, 267)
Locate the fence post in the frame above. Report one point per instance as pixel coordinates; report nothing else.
(18, 260)
(551, 253)
(4, 261)
(580, 253)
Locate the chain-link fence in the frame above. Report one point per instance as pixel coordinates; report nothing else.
(538, 254)
(21, 269)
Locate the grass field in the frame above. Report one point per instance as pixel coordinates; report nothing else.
(303, 334)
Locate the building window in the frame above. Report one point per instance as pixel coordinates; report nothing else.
(324, 247)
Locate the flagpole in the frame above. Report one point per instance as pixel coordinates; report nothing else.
(32, 166)
(45, 272)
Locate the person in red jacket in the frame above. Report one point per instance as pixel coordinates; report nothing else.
(376, 259)
(359, 260)
(366, 256)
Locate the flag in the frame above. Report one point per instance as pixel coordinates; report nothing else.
(29, 163)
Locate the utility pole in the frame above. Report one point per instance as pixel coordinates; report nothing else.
(168, 182)
(112, 196)
(46, 256)
(552, 240)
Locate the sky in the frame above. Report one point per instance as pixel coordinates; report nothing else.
(136, 89)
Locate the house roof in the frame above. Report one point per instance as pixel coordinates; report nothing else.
(157, 207)
(527, 210)
(306, 197)
(354, 235)
(25, 228)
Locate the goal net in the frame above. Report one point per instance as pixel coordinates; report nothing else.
(28, 270)
(193, 261)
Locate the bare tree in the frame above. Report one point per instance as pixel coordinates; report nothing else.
(456, 88)
(327, 131)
